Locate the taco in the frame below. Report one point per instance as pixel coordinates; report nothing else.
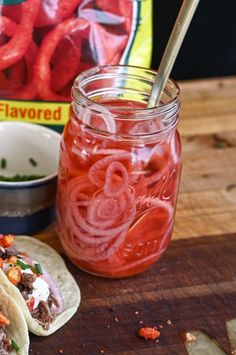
(36, 277)
(14, 337)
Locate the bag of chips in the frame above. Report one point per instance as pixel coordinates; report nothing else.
(45, 44)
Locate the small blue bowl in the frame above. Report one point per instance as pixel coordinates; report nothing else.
(27, 149)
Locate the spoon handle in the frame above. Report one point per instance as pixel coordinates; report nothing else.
(172, 49)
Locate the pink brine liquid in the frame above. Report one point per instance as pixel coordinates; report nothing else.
(116, 197)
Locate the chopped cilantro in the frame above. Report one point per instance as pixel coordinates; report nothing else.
(38, 269)
(33, 162)
(3, 163)
(18, 178)
(20, 287)
(23, 265)
(15, 346)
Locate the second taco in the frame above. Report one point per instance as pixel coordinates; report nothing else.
(14, 337)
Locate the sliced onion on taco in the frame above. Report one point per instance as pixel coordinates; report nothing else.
(14, 337)
(36, 277)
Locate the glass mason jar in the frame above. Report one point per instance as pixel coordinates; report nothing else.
(119, 172)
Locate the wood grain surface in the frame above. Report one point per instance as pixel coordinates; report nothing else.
(194, 284)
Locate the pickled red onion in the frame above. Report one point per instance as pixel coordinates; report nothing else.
(104, 211)
(95, 121)
(104, 234)
(109, 151)
(110, 124)
(154, 202)
(95, 220)
(151, 222)
(111, 188)
(160, 155)
(55, 291)
(121, 264)
(98, 170)
(146, 127)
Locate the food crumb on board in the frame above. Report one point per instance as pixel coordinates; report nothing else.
(160, 326)
(149, 333)
(141, 322)
(102, 351)
(61, 351)
(169, 322)
(116, 319)
(136, 312)
(190, 337)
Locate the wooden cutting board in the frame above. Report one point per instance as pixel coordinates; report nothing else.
(194, 284)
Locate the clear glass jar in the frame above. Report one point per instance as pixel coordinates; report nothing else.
(119, 172)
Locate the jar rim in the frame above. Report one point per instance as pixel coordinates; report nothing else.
(113, 83)
(77, 91)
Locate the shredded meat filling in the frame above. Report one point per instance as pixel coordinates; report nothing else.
(27, 281)
(5, 254)
(52, 301)
(42, 314)
(26, 284)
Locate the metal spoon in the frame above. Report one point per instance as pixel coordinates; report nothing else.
(172, 49)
